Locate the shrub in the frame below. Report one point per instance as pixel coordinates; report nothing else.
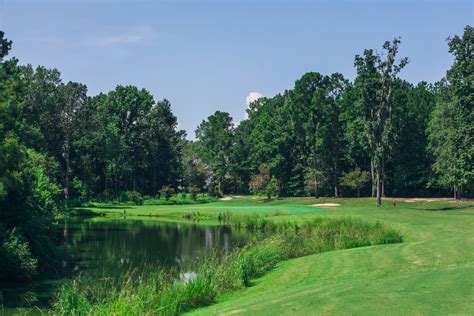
(193, 190)
(167, 192)
(15, 256)
(131, 196)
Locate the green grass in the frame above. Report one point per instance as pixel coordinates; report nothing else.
(432, 272)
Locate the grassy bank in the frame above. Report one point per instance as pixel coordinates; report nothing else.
(431, 273)
(169, 292)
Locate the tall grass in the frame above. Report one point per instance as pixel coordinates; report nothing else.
(165, 292)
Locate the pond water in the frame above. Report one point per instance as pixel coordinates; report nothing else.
(109, 247)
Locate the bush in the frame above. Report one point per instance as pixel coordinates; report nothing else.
(167, 192)
(193, 190)
(16, 258)
(131, 196)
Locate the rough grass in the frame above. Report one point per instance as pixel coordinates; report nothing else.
(165, 292)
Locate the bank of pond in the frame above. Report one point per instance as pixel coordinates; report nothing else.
(140, 266)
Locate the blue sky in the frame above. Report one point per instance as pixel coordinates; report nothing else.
(209, 55)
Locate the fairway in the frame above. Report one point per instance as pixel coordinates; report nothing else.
(432, 272)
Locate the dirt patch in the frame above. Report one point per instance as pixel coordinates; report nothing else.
(326, 204)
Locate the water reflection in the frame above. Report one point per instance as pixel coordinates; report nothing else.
(110, 247)
(114, 246)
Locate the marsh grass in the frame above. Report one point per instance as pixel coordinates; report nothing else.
(161, 291)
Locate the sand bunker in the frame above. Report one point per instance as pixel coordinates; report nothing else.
(326, 204)
(227, 198)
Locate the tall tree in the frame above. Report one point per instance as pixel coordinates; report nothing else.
(376, 74)
(215, 139)
(451, 129)
(28, 197)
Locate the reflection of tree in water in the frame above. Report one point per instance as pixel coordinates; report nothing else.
(114, 246)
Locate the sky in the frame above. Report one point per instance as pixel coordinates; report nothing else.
(206, 55)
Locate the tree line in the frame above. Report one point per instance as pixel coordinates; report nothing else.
(327, 136)
(379, 135)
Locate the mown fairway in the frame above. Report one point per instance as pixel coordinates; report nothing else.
(432, 272)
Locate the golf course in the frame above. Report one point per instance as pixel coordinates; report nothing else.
(236, 158)
(431, 272)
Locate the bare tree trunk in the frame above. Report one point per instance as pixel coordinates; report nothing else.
(116, 187)
(372, 172)
(154, 178)
(379, 185)
(383, 177)
(219, 188)
(66, 172)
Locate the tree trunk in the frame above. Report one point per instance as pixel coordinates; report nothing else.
(379, 186)
(456, 193)
(66, 172)
(116, 188)
(372, 172)
(154, 179)
(383, 177)
(219, 188)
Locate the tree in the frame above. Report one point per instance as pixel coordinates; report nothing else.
(125, 141)
(195, 171)
(451, 129)
(167, 192)
(375, 77)
(215, 143)
(314, 180)
(28, 196)
(355, 179)
(264, 183)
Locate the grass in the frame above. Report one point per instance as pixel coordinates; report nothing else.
(432, 272)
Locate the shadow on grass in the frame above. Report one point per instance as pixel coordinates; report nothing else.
(112, 207)
(82, 212)
(444, 209)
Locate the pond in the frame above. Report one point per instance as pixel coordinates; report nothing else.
(109, 247)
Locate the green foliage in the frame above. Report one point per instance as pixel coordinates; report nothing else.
(314, 180)
(16, 257)
(376, 75)
(215, 141)
(355, 179)
(193, 191)
(28, 193)
(131, 196)
(167, 192)
(451, 131)
(263, 183)
(271, 189)
(181, 199)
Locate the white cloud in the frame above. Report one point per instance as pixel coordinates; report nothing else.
(252, 97)
(136, 35)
